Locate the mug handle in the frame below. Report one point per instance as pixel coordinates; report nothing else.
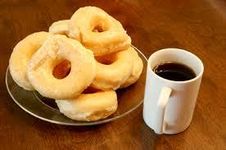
(162, 103)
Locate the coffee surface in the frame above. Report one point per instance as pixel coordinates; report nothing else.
(174, 71)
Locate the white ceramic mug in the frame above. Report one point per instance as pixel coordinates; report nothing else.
(169, 105)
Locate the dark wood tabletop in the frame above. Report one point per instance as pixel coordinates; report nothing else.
(196, 25)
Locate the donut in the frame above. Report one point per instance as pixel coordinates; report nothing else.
(98, 31)
(89, 107)
(55, 50)
(59, 27)
(21, 55)
(136, 71)
(113, 70)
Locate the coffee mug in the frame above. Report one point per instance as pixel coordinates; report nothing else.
(169, 105)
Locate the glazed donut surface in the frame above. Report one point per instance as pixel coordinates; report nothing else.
(59, 27)
(89, 107)
(136, 71)
(98, 31)
(111, 76)
(56, 49)
(21, 55)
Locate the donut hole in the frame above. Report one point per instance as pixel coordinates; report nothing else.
(90, 90)
(62, 69)
(99, 24)
(106, 60)
(98, 28)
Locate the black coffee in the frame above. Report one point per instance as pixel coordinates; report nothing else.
(174, 71)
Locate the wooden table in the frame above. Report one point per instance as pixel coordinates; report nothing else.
(199, 26)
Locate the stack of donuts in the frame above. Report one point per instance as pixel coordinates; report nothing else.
(79, 63)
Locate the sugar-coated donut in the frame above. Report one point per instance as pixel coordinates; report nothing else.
(21, 55)
(59, 27)
(89, 107)
(136, 71)
(54, 50)
(111, 76)
(98, 31)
